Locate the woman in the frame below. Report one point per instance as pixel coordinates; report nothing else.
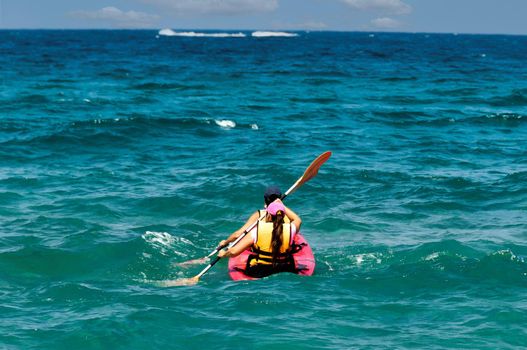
(270, 241)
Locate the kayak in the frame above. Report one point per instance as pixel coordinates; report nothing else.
(303, 257)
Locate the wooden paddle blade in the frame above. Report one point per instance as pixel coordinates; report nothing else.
(192, 262)
(181, 282)
(312, 169)
(311, 172)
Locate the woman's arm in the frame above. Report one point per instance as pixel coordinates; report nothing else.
(252, 219)
(295, 219)
(239, 248)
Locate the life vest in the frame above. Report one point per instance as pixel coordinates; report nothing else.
(262, 250)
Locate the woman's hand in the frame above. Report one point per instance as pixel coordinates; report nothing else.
(223, 243)
(222, 253)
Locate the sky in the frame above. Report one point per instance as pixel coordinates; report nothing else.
(432, 16)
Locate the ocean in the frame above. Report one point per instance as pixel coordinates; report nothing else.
(124, 154)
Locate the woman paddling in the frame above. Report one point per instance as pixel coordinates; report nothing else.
(271, 240)
(302, 254)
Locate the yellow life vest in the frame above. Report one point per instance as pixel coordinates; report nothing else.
(262, 248)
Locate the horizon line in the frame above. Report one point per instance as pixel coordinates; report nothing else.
(270, 30)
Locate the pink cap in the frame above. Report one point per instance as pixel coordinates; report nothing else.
(274, 207)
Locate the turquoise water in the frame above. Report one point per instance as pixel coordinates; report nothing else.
(125, 153)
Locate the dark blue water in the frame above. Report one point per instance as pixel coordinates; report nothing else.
(126, 153)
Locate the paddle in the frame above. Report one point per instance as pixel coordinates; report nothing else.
(311, 172)
(220, 247)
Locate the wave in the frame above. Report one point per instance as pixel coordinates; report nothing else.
(449, 261)
(453, 92)
(167, 86)
(118, 73)
(517, 177)
(445, 117)
(264, 34)
(170, 32)
(33, 99)
(316, 100)
(123, 129)
(256, 34)
(399, 78)
(402, 100)
(397, 117)
(162, 123)
(377, 54)
(321, 81)
(226, 124)
(513, 186)
(509, 119)
(160, 241)
(516, 98)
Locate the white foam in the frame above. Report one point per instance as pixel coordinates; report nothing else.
(330, 268)
(359, 258)
(254, 126)
(170, 32)
(225, 123)
(162, 242)
(263, 34)
(432, 256)
(162, 238)
(166, 32)
(513, 257)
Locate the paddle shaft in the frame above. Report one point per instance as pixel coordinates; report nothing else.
(213, 262)
(247, 230)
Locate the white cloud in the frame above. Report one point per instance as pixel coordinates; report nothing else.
(313, 25)
(309, 25)
(113, 14)
(227, 7)
(397, 7)
(385, 23)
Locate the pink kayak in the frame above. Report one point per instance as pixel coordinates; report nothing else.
(303, 257)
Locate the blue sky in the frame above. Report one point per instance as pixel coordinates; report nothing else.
(451, 16)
